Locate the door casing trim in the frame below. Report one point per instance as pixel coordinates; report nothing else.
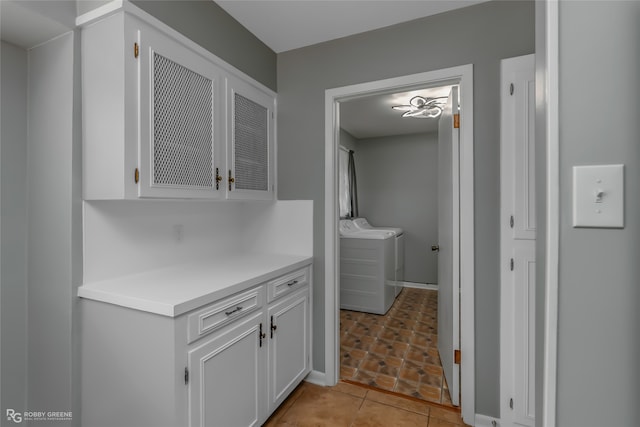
(462, 76)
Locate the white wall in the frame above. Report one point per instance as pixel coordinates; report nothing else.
(398, 187)
(127, 237)
(13, 228)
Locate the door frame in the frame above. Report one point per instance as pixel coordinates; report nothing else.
(462, 76)
(547, 101)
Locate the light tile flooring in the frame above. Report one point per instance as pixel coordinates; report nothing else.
(398, 351)
(350, 405)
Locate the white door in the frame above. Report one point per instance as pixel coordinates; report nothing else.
(226, 384)
(289, 338)
(251, 132)
(448, 241)
(518, 240)
(179, 133)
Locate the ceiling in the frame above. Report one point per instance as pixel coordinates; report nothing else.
(290, 24)
(372, 116)
(29, 23)
(282, 25)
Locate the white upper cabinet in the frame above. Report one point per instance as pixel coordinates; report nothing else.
(164, 118)
(179, 134)
(250, 121)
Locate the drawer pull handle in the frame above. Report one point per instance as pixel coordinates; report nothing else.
(229, 313)
(295, 282)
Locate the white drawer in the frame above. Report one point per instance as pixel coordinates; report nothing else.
(288, 283)
(221, 313)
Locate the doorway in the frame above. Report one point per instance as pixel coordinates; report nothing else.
(394, 146)
(463, 77)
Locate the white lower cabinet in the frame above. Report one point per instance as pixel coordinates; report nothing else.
(226, 377)
(230, 363)
(289, 345)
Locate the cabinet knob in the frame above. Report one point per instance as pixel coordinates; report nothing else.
(273, 327)
(218, 179)
(231, 180)
(435, 248)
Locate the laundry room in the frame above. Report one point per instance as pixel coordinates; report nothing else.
(396, 169)
(388, 199)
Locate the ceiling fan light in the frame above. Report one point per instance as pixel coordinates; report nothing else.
(418, 101)
(416, 114)
(421, 108)
(434, 112)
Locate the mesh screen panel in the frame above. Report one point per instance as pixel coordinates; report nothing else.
(182, 126)
(251, 145)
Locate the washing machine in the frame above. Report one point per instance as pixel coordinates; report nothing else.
(363, 224)
(367, 269)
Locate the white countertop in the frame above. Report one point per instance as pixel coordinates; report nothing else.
(177, 289)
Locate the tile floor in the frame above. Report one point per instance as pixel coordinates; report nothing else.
(350, 405)
(398, 351)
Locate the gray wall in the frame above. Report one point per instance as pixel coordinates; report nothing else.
(481, 35)
(599, 292)
(210, 26)
(13, 228)
(347, 140)
(398, 187)
(55, 221)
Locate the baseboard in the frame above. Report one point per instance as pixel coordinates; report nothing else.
(428, 286)
(316, 377)
(486, 421)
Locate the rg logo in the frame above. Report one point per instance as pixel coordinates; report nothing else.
(14, 416)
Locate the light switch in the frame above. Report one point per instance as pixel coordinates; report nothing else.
(598, 196)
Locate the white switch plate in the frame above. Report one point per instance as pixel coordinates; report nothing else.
(598, 196)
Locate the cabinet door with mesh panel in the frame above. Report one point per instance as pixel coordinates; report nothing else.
(250, 121)
(179, 131)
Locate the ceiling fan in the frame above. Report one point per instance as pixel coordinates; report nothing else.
(422, 108)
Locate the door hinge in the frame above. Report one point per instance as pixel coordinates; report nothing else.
(511, 221)
(457, 356)
(511, 264)
(511, 89)
(136, 175)
(511, 403)
(136, 50)
(456, 121)
(186, 376)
